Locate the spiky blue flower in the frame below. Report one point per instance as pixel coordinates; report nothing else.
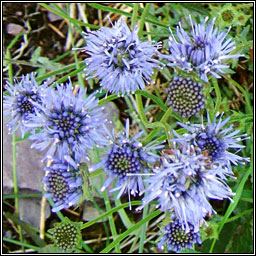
(203, 50)
(19, 102)
(63, 183)
(127, 160)
(119, 59)
(183, 182)
(71, 123)
(177, 238)
(185, 96)
(215, 141)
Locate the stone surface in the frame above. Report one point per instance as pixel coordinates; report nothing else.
(30, 211)
(112, 112)
(14, 29)
(90, 212)
(28, 163)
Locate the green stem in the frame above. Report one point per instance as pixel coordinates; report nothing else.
(86, 247)
(106, 214)
(158, 124)
(143, 17)
(75, 21)
(239, 215)
(233, 205)
(134, 111)
(108, 208)
(143, 229)
(130, 230)
(21, 243)
(218, 94)
(14, 166)
(134, 15)
(70, 30)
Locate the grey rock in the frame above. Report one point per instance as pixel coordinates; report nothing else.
(14, 29)
(30, 211)
(90, 212)
(112, 112)
(28, 163)
(53, 17)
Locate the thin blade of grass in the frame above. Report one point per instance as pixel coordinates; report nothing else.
(61, 14)
(130, 230)
(236, 198)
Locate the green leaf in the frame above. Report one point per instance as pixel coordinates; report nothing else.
(242, 240)
(154, 98)
(33, 235)
(61, 14)
(87, 188)
(50, 249)
(210, 231)
(130, 230)
(110, 9)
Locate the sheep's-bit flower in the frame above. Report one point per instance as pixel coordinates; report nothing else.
(19, 102)
(67, 235)
(177, 238)
(71, 123)
(185, 96)
(127, 160)
(119, 59)
(63, 183)
(204, 50)
(215, 141)
(183, 182)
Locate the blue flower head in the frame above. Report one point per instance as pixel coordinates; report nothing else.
(127, 160)
(70, 123)
(19, 102)
(203, 50)
(63, 183)
(176, 237)
(215, 141)
(185, 96)
(183, 182)
(119, 59)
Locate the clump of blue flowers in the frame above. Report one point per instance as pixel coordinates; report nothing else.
(63, 183)
(216, 141)
(180, 170)
(21, 102)
(183, 182)
(70, 122)
(203, 50)
(127, 160)
(119, 59)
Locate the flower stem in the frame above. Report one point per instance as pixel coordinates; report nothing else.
(143, 17)
(134, 15)
(14, 166)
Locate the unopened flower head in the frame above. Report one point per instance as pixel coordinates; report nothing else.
(177, 238)
(183, 182)
(19, 102)
(215, 141)
(67, 235)
(127, 160)
(203, 50)
(72, 123)
(185, 96)
(63, 183)
(119, 59)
